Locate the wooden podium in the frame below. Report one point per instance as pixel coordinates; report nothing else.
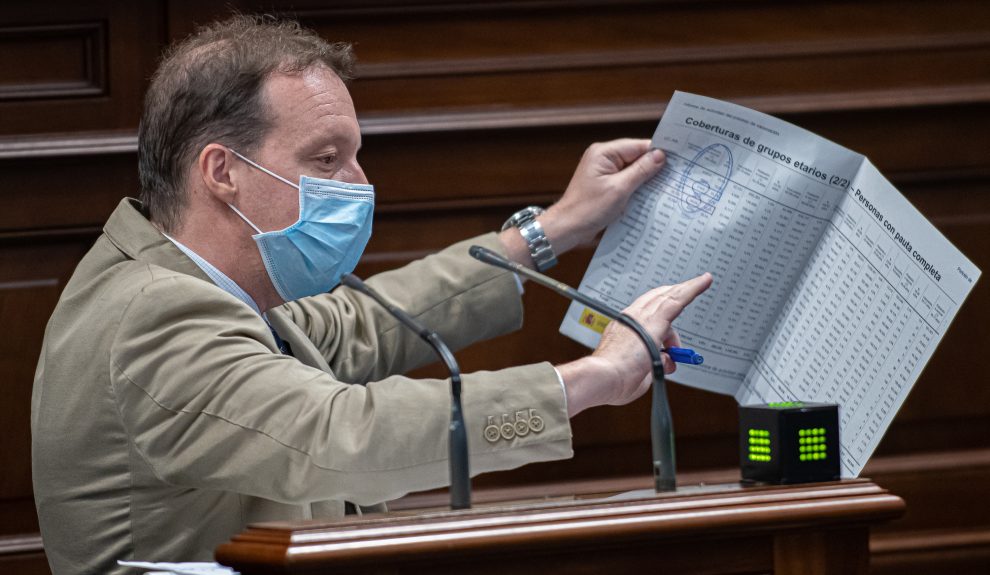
(820, 528)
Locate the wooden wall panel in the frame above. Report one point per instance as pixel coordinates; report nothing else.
(64, 192)
(53, 61)
(625, 51)
(945, 528)
(75, 66)
(471, 109)
(419, 56)
(32, 274)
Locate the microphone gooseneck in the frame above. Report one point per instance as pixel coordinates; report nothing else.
(460, 478)
(661, 423)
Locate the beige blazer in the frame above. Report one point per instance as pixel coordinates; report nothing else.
(164, 419)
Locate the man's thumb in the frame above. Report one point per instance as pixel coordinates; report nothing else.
(644, 168)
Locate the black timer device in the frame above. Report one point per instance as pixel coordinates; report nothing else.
(789, 442)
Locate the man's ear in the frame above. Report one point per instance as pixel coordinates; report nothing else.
(215, 168)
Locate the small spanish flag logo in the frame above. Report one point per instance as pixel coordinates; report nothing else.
(594, 320)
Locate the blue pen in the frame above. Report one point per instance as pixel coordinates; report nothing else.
(684, 355)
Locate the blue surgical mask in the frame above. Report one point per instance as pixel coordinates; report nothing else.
(310, 256)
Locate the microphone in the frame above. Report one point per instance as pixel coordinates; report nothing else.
(661, 425)
(460, 480)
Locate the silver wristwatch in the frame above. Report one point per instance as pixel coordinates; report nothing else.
(531, 231)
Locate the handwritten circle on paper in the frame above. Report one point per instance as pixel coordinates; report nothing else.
(704, 180)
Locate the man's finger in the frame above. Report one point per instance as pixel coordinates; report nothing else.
(671, 306)
(669, 366)
(671, 300)
(686, 291)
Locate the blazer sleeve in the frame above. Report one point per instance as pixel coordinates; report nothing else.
(463, 300)
(209, 403)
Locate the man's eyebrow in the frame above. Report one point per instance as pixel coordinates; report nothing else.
(321, 141)
(335, 141)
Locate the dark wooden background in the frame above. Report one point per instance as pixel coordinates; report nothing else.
(471, 109)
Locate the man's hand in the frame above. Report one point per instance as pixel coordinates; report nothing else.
(619, 370)
(599, 190)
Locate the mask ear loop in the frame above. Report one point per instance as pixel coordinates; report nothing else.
(265, 170)
(243, 217)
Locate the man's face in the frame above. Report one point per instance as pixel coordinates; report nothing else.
(314, 133)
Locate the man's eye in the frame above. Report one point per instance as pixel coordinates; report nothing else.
(329, 159)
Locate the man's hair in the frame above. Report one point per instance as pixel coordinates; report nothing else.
(209, 88)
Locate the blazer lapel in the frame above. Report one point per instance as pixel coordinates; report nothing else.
(133, 234)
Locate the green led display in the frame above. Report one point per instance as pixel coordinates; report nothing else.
(789, 441)
(785, 404)
(759, 445)
(811, 444)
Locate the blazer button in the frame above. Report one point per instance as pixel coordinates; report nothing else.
(536, 423)
(522, 427)
(491, 430)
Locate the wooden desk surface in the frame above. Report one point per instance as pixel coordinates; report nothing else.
(814, 528)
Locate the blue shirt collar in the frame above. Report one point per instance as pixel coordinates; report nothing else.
(217, 276)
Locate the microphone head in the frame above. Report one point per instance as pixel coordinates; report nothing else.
(489, 257)
(478, 252)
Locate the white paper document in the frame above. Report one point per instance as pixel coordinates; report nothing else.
(829, 285)
(156, 568)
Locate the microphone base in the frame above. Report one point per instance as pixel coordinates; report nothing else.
(665, 485)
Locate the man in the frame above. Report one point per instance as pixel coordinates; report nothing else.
(195, 375)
